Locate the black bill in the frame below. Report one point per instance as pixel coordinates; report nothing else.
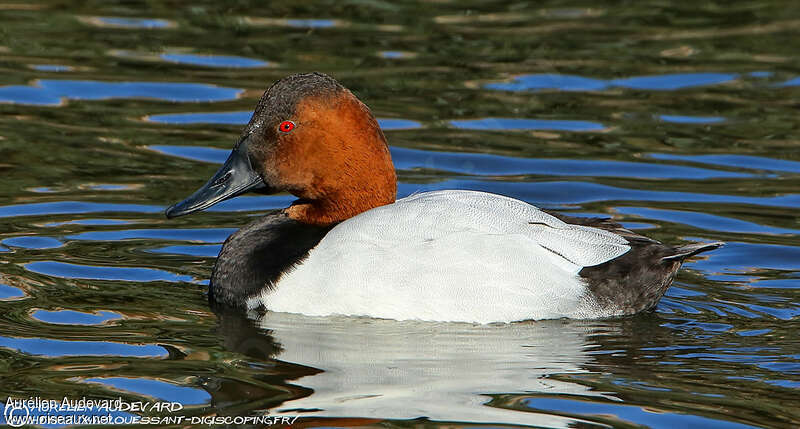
(236, 177)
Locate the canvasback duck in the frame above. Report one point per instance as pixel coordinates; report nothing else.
(347, 247)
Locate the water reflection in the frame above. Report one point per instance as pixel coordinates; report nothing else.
(560, 373)
(739, 161)
(678, 119)
(51, 92)
(8, 293)
(705, 221)
(294, 22)
(125, 22)
(55, 348)
(70, 317)
(671, 82)
(404, 370)
(585, 192)
(214, 60)
(207, 235)
(89, 222)
(152, 388)
(396, 55)
(33, 242)
(527, 124)
(241, 118)
(482, 164)
(51, 68)
(73, 207)
(206, 250)
(621, 413)
(666, 82)
(550, 81)
(310, 23)
(791, 82)
(75, 271)
(493, 165)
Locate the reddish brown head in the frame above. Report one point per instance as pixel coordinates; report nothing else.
(312, 137)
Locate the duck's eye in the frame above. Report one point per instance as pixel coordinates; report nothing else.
(286, 126)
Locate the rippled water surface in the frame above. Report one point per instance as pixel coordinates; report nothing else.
(677, 119)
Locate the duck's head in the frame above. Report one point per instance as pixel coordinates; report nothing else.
(311, 137)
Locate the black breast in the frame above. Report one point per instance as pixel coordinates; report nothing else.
(255, 256)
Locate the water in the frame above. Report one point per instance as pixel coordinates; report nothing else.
(677, 120)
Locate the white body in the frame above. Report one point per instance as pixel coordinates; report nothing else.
(460, 256)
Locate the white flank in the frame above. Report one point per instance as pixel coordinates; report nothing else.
(449, 256)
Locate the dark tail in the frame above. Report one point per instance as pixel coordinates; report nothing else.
(684, 252)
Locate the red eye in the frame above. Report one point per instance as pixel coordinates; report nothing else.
(286, 126)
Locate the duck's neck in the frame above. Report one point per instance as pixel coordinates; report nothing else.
(337, 208)
(256, 256)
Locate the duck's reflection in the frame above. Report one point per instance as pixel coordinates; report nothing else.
(341, 366)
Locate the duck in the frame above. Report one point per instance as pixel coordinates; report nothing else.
(348, 247)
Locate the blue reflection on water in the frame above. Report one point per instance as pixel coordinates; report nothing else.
(561, 82)
(203, 250)
(70, 317)
(242, 117)
(395, 54)
(779, 313)
(56, 348)
(791, 82)
(311, 23)
(527, 124)
(195, 153)
(10, 292)
(398, 124)
(109, 187)
(679, 292)
(89, 222)
(737, 257)
(628, 413)
(691, 119)
(753, 332)
(72, 207)
(483, 164)
(214, 60)
(705, 221)
(156, 389)
(42, 190)
(673, 81)
(771, 283)
(74, 271)
(233, 118)
(550, 81)
(703, 326)
(133, 22)
(206, 235)
(51, 67)
(740, 161)
(50, 92)
(584, 192)
(33, 242)
(790, 384)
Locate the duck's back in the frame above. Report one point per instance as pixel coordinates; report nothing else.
(450, 256)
